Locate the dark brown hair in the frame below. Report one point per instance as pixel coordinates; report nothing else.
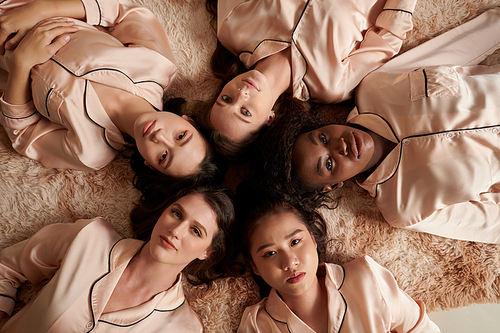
(218, 264)
(254, 203)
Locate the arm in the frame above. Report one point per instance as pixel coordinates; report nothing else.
(472, 221)
(34, 259)
(467, 44)
(21, 19)
(41, 42)
(407, 315)
(380, 42)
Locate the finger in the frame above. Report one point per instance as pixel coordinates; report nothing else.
(14, 41)
(57, 43)
(3, 38)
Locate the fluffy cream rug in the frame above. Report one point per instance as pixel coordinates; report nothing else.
(443, 273)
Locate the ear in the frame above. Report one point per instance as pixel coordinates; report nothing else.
(255, 269)
(331, 187)
(205, 255)
(271, 117)
(148, 165)
(188, 118)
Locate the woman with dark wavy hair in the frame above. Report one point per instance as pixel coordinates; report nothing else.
(282, 245)
(101, 282)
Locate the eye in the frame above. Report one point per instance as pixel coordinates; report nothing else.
(163, 156)
(197, 232)
(177, 213)
(329, 164)
(226, 99)
(322, 138)
(245, 112)
(269, 254)
(296, 241)
(181, 135)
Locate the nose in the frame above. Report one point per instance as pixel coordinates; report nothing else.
(243, 93)
(179, 230)
(289, 261)
(342, 147)
(160, 137)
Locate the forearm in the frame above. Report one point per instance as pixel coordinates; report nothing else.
(43, 9)
(18, 90)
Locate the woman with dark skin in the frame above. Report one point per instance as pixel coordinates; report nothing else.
(422, 143)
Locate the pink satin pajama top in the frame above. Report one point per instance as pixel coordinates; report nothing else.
(334, 43)
(362, 297)
(84, 261)
(65, 125)
(443, 177)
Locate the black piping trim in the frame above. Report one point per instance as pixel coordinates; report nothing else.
(425, 79)
(343, 278)
(47, 102)
(7, 296)
(100, 12)
(280, 41)
(99, 279)
(430, 134)
(343, 317)
(397, 10)
(106, 69)
(6, 116)
(1, 2)
(155, 310)
(279, 321)
(263, 41)
(86, 112)
(388, 124)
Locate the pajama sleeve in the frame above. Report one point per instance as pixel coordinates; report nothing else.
(407, 315)
(467, 44)
(381, 42)
(34, 259)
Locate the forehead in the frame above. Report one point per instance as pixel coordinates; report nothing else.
(275, 226)
(197, 208)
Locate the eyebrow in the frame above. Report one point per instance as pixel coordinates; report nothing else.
(198, 224)
(293, 233)
(318, 166)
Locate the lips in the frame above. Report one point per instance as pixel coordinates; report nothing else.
(356, 144)
(149, 127)
(296, 277)
(167, 243)
(251, 84)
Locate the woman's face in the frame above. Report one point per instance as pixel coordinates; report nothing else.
(184, 231)
(244, 105)
(169, 143)
(284, 254)
(327, 156)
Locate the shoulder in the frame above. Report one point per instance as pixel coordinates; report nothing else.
(254, 317)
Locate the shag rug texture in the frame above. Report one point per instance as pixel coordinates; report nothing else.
(444, 273)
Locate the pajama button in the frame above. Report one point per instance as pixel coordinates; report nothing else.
(90, 324)
(496, 130)
(450, 135)
(406, 142)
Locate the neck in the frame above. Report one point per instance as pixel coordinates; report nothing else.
(278, 70)
(310, 305)
(145, 273)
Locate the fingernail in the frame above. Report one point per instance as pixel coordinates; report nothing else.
(8, 46)
(66, 38)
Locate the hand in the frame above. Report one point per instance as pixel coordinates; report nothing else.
(42, 42)
(16, 23)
